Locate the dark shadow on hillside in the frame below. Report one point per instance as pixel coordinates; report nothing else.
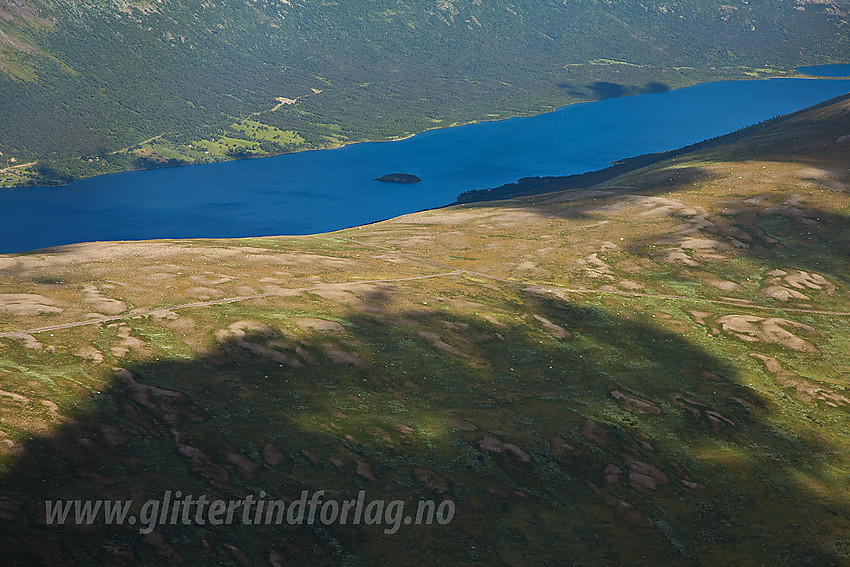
(577, 436)
(600, 90)
(532, 186)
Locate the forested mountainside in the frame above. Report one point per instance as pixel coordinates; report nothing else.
(96, 86)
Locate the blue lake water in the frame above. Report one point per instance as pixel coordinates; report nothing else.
(324, 190)
(834, 70)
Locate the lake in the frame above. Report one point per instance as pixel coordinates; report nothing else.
(834, 70)
(324, 190)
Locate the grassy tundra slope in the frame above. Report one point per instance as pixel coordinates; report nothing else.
(650, 372)
(94, 86)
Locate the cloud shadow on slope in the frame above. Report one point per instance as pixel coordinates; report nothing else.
(563, 434)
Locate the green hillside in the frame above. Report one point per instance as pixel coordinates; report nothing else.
(652, 371)
(95, 86)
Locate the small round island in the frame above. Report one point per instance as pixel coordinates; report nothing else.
(398, 178)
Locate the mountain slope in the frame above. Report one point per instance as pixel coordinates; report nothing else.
(94, 80)
(650, 371)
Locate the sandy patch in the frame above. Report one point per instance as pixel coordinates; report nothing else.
(612, 473)
(630, 285)
(596, 268)
(339, 356)
(596, 433)
(700, 410)
(673, 255)
(89, 353)
(559, 448)
(244, 290)
(144, 394)
(782, 293)
(29, 341)
(758, 329)
(644, 476)
(127, 342)
(14, 397)
(93, 296)
(804, 390)
(337, 296)
(273, 455)
(319, 325)
(636, 404)
(693, 218)
(438, 342)
(492, 444)
(556, 331)
(210, 279)
(803, 280)
(698, 243)
(699, 316)
(364, 470)
(725, 285)
(456, 326)
(245, 465)
(25, 304)
(262, 341)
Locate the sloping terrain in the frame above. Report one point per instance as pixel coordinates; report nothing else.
(95, 86)
(649, 372)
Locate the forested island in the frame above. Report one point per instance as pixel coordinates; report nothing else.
(398, 178)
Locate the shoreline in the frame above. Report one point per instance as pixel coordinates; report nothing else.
(790, 74)
(552, 183)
